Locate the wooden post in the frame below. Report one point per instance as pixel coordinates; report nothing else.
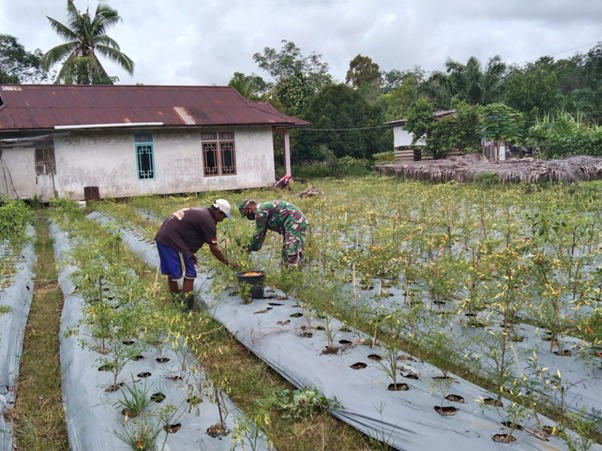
(287, 153)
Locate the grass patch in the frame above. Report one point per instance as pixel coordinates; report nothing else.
(38, 415)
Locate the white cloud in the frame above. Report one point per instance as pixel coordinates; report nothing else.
(205, 42)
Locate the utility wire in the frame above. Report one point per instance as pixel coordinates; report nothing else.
(343, 129)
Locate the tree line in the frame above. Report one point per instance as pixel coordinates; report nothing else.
(539, 103)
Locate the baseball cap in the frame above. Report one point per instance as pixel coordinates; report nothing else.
(243, 205)
(222, 205)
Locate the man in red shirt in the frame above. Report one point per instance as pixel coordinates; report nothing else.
(180, 236)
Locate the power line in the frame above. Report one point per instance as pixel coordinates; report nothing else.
(343, 129)
(574, 48)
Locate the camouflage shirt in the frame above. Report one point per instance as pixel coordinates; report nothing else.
(278, 216)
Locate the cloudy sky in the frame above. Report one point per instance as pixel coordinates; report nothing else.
(182, 42)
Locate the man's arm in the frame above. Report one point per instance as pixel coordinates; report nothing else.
(261, 228)
(217, 253)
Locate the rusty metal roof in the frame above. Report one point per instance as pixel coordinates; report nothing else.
(31, 107)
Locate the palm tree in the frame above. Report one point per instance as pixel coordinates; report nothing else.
(86, 35)
(470, 83)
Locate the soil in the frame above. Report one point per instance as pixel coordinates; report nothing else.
(306, 334)
(138, 357)
(454, 398)
(143, 374)
(172, 428)
(217, 430)
(375, 357)
(113, 387)
(503, 438)
(511, 425)
(411, 376)
(493, 402)
(563, 353)
(330, 350)
(446, 411)
(398, 387)
(359, 366)
(162, 359)
(296, 315)
(157, 397)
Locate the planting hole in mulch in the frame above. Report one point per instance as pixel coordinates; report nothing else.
(296, 315)
(375, 357)
(470, 315)
(398, 387)
(511, 425)
(138, 357)
(454, 398)
(217, 430)
(320, 328)
(113, 387)
(550, 430)
(106, 367)
(162, 359)
(282, 323)
(126, 413)
(446, 411)
(475, 323)
(128, 342)
(157, 397)
(503, 438)
(345, 342)
(411, 376)
(172, 428)
(517, 338)
(144, 374)
(330, 350)
(194, 400)
(439, 302)
(274, 303)
(259, 312)
(442, 378)
(344, 329)
(306, 334)
(359, 366)
(563, 353)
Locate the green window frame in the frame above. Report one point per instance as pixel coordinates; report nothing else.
(145, 156)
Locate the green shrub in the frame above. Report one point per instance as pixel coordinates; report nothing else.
(563, 135)
(384, 157)
(486, 178)
(14, 216)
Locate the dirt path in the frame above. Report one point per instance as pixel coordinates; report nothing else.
(39, 420)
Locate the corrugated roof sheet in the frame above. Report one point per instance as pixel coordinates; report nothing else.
(47, 106)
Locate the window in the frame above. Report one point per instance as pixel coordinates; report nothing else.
(45, 164)
(144, 156)
(219, 156)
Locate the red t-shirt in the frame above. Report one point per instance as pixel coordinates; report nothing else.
(186, 230)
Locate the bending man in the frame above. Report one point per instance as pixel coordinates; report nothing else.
(281, 217)
(180, 236)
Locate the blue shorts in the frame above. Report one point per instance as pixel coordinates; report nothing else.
(174, 264)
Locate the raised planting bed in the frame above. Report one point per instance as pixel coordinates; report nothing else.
(181, 407)
(386, 394)
(16, 293)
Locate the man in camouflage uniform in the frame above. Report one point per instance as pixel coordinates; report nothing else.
(281, 217)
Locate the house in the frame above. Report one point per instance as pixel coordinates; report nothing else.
(86, 141)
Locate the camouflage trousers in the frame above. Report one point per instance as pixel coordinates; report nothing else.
(292, 246)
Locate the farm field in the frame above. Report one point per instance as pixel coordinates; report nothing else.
(500, 285)
(424, 316)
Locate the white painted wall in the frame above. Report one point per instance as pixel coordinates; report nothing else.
(17, 173)
(403, 138)
(107, 159)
